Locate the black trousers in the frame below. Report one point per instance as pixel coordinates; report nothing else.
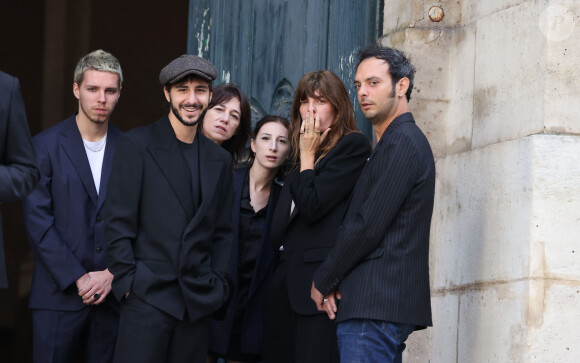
(147, 334)
(278, 345)
(316, 339)
(291, 337)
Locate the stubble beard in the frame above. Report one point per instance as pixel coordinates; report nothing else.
(175, 112)
(375, 117)
(99, 120)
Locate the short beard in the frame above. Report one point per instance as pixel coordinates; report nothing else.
(175, 112)
(95, 121)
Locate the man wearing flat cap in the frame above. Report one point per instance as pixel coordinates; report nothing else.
(168, 225)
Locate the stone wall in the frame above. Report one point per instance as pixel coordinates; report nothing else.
(497, 92)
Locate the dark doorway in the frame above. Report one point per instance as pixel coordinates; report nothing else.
(40, 43)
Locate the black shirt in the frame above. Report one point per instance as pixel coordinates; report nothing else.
(191, 154)
(252, 226)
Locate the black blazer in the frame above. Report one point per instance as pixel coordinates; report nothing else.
(63, 216)
(380, 262)
(18, 172)
(174, 261)
(220, 331)
(320, 198)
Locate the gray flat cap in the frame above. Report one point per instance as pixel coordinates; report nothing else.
(185, 65)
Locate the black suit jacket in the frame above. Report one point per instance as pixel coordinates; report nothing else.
(320, 198)
(220, 331)
(18, 172)
(381, 260)
(171, 259)
(63, 216)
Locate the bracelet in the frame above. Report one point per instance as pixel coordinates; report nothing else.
(86, 283)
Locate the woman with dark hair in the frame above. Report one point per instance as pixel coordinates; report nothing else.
(238, 337)
(327, 158)
(227, 120)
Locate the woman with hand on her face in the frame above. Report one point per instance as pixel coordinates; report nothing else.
(238, 337)
(328, 156)
(227, 120)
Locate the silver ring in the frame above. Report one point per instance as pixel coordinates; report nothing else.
(324, 300)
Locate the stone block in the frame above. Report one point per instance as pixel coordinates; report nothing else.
(474, 10)
(509, 75)
(459, 126)
(481, 218)
(444, 332)
(418, 346)
(396, 15)
(555, 224)
(492, 324)
(552, 333)
(443, 85)
(559, 26)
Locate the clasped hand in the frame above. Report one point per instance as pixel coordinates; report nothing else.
(93, 287)
(328, 303)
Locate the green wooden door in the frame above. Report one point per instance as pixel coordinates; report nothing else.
(266, 46)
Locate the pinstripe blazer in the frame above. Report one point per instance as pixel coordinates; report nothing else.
(380, 262)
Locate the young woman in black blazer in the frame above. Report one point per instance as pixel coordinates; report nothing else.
(238, 336)
(328, 155)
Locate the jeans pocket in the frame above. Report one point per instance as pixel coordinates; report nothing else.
(398, 331)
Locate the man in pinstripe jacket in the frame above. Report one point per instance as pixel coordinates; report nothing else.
(379, 268)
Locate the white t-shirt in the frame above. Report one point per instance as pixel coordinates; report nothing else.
(95, 153)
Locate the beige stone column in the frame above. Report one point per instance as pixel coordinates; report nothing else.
(498, 92)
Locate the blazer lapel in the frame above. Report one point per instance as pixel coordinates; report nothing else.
(239, 179)
(169, 159)
(281, 218)
(72, 144)
(291, 212)
(209, 179)
(112, 135)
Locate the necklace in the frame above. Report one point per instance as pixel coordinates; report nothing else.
(96, 146)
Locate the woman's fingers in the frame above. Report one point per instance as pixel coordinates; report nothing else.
(316, 123)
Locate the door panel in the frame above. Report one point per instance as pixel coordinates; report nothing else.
(266, 46)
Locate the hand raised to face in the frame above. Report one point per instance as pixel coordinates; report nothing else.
(310, 140)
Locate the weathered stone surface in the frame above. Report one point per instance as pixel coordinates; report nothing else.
(492, 324)
(555, 224)
(509, 76)
(444, 331)
(473, 10)
(443, 86)
(481, 219)
(451, 13)
(397, 15)
(418, 346)
(497, 94)
(559, 24)
(553, 334)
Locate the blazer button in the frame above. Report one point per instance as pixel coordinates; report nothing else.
(99, 219)
(99, 249)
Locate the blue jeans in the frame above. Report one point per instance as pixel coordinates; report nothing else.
(366, 340)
